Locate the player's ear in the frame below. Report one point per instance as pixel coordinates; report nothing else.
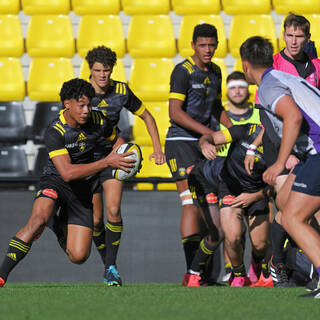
(66, 103)
(245, 66)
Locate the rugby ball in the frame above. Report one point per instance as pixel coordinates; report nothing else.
(121, 175)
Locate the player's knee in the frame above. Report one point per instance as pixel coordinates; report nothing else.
(113, 212)
(233, 240)
(260, 247)
(78, 257)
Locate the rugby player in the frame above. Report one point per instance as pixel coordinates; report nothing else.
(111, 96)
(291, 105)
(68, 177)
(195, 96)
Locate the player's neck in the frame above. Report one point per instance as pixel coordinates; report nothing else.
(238, 109)
(199, 63)
(298, 57)
(98, 89)
(70, 121)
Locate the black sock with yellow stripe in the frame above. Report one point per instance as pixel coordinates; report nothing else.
(239, 271)
(190, 247)
(203, 254)
(17, 250)
(113, 235)
(99, 239)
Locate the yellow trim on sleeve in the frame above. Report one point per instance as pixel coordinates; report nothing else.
(113, 135)
(56, 153)
(178, 96)
(227, 135)
(141, 110)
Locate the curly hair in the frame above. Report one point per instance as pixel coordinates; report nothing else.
(75, 89)
(204, 30)
(102, 55)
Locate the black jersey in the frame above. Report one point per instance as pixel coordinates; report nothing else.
(233, 172)
(79, 143)
(200, 92)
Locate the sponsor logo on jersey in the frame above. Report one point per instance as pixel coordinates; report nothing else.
(211, 198)
(300, 185)
(228, 199)
(50, 193)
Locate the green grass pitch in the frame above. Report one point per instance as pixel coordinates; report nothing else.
(33, 301)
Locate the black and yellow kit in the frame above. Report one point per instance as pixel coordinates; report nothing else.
(79, 143)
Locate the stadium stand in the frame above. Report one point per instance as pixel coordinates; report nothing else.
(131, 7)
(46, 7)
(50, 36)
(46, 76)
(296, 6)
(183, 7)
(187, 25)
(150, 78)
(40, 161)
(83, 7)
(151, 36)
(233, 7)
(95, 30)
(9, 6)
(221, 63)
(12, 84)
(11, 39)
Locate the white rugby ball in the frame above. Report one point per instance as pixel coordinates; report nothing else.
(120, 174)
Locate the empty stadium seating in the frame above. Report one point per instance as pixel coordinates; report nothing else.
(151, 36)
(50, 36)
(245, 26)
(11, 39)
(97, 30)
(187, 25)
(150, 78)
(46, 7)
(118, 72)
(296, 6)
(246, 6)
(9, 6)
(46, 76)
(12, 84)
(131, 7)
(184, 7)
(83, 7)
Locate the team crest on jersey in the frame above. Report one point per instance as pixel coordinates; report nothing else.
(81, 141)
(182, 172)
(207, 81)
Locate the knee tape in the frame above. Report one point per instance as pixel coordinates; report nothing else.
(186, 197)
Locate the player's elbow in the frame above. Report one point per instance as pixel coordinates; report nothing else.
(67, 176)
(297, 118)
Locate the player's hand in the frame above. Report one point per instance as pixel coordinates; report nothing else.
(221, 147)
(208, 150)
(120, 161)
(249, 163)
(291, 162)
(243, 200)
(271, 174)
(158, 156)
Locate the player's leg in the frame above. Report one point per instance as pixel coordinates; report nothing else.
(20, 244)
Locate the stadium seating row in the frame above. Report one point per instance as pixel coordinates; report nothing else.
(180, 7)
(148, 36)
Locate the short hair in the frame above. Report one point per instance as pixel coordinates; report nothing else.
(204, 30)
(297, 22)
(75, 89)
(102, 55)
(258, 51)
(236, 75)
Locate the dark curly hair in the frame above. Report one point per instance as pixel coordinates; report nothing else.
(204, 30)
(75, 89)
(102, 55)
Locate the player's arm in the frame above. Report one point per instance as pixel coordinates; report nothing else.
(221, 115)
(244, 199)
(292, 118)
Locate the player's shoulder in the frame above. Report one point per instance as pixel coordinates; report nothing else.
(57, 125)
(120, 88)
(186, 66)
(98, 118)
(215, 68)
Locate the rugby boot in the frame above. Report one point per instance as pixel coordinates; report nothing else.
(254, 271)
(241, 282)
(315, 294)
(2, 282)
(193, 281)
(279, 275)
(185, 279)
(112, 277)
(263, 281)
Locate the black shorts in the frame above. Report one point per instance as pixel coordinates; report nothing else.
(73, 198)
(105, 174)
(181, 155)
(226, 197)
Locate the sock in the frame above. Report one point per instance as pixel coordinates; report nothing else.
(190, 247)
(202, 255)
(239, 271)
(228, 267)
(278, 238)
(17, 250)
(113, 235)
(318, 270)
(264, 269)
(99, 239)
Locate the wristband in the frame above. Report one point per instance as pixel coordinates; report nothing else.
(252, 147)
(250, 152)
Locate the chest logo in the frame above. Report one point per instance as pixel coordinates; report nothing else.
(103, 103)
(81, 141)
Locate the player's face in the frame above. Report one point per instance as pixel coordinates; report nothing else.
(78, 111)
(204, 49)
(100, 75)
(237, 95)
(295, 40)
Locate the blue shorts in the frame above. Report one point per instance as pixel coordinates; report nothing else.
(308, 176)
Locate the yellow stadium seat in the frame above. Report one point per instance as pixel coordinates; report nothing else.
(82, 7)
(46, 76)
(50, 36)
(118, 72)
(9, 6)
(150, 78)
(186, 30)
(150, 169)
(131, 7)
(246, 6)
(96, 31)
(160, 112)
(11, 39)
(221, 63)
(183, 7)
(245, 26)
(151, 36)
(296, 6)
(46, 7)
(12, 85)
